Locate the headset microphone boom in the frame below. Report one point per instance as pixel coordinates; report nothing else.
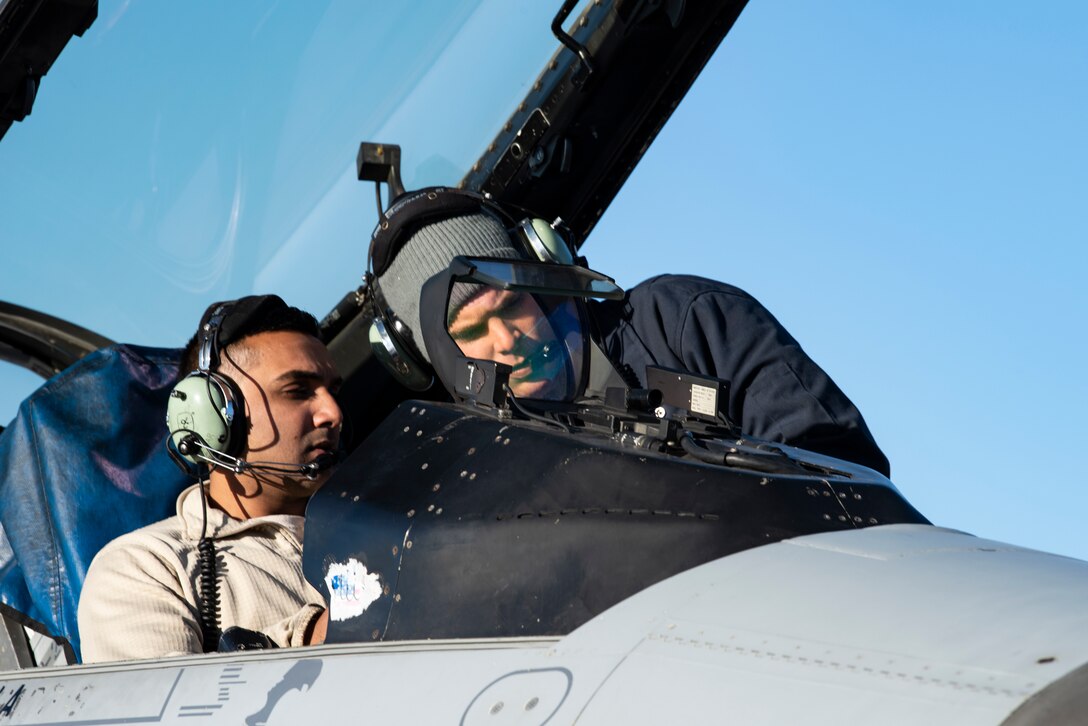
(192, 447)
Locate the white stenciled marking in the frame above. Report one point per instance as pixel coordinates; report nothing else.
(351, 589)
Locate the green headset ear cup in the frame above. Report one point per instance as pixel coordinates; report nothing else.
(545, 242)
(210, 407)
(396, 358)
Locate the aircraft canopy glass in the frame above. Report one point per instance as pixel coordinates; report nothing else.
(180, 153)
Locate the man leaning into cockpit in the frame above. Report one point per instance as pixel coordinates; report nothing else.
(254, 414)
(776, 391)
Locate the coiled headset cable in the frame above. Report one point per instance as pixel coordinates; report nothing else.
(209, 581)
(207, 575)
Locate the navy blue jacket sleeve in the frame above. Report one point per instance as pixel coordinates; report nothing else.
(776, 391)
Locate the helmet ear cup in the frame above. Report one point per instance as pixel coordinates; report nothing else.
(206, 409)
(543, 241)
(397, 357)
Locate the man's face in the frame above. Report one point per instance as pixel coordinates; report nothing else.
(510, 327)
(288, 381)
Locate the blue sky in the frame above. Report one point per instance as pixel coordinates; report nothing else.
(904, 185)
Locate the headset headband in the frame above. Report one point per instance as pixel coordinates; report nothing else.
(209, 339)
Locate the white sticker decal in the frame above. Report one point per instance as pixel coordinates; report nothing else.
(704, 400)
(351, 589)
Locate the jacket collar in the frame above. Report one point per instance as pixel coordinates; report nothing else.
(221, 525)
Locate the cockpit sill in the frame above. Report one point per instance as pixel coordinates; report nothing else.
(327, 650)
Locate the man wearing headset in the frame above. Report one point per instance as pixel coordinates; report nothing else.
(232, 554)
(682, 322)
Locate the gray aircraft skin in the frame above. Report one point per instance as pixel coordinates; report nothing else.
(890, 623)
(897, 624)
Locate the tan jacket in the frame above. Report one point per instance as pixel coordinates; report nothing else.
(139, 599)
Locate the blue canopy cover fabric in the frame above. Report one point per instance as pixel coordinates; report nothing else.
(83, 462)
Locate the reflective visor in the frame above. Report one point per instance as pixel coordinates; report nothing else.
(539, 336)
